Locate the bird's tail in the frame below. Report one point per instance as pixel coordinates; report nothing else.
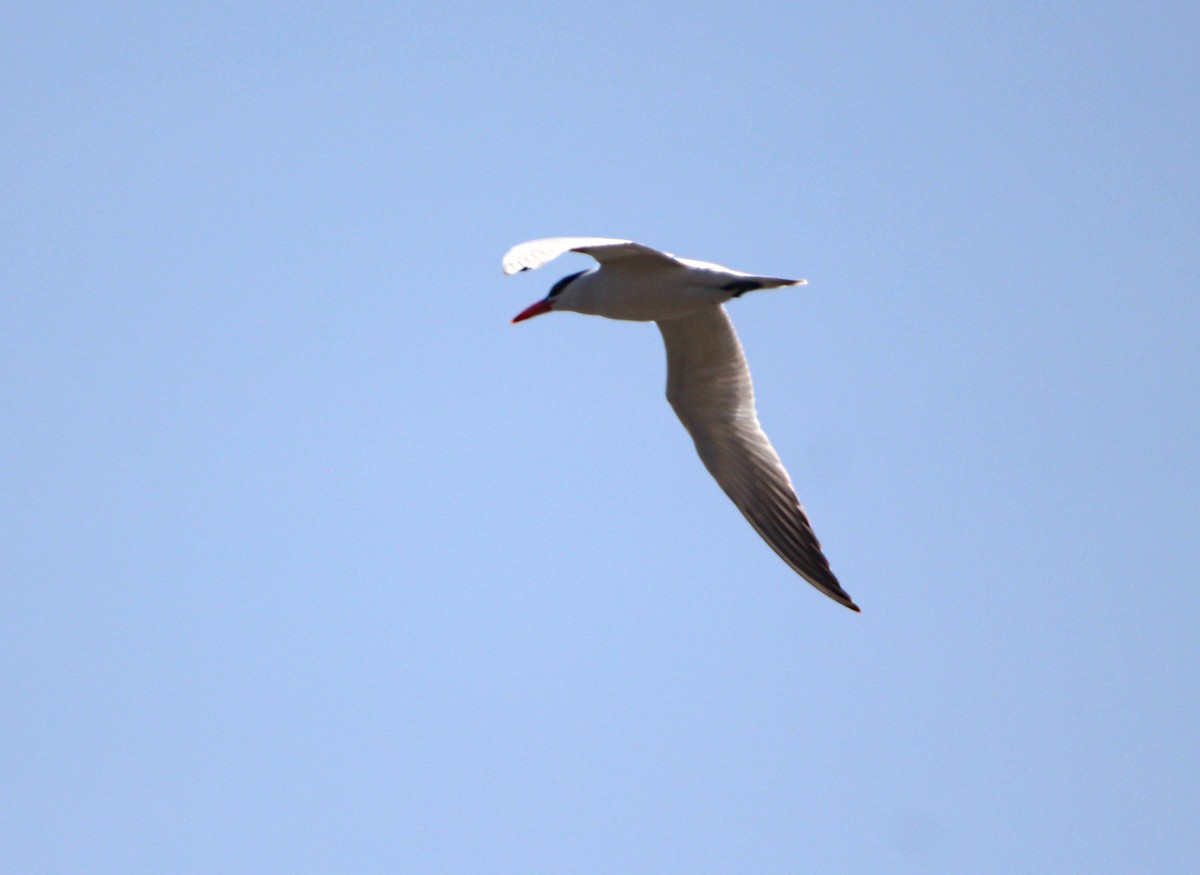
(741, 285)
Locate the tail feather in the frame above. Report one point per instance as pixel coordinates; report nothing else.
(740, 286)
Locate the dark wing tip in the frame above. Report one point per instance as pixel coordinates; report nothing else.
(838, 594)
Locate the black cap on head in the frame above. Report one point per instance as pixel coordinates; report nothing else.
(557, 288)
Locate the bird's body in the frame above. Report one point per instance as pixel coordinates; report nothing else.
(658, 292)
(708, 381)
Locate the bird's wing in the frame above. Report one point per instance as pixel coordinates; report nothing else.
(708, 385)
(535, 253)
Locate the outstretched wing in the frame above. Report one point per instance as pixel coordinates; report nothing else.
(535, 253)
(708, 384)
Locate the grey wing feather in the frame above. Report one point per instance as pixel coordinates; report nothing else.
(708, 385)
(535, 253)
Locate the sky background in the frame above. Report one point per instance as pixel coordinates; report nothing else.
(311, 562)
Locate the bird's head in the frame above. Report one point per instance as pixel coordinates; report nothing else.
(553, 301)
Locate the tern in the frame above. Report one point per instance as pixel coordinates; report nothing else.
(708, 381)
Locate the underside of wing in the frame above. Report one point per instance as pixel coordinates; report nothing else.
(535, 253)
(708, 385)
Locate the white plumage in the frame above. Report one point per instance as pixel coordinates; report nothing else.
(708, 381)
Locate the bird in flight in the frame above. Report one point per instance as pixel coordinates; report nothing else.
(708, 381)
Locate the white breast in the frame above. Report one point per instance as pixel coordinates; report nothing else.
(642, 295)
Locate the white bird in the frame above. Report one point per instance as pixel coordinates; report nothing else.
(708, 382)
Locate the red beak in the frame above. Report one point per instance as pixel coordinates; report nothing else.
(542, 306)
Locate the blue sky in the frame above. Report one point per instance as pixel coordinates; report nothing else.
(312, 562)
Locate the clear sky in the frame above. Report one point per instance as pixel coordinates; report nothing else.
(311, 562)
